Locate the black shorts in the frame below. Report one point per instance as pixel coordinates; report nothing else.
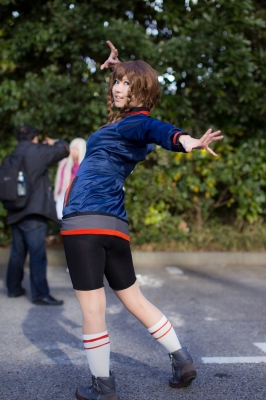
(90, 257)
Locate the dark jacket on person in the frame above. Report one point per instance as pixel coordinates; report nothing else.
(36, 160)
(112, 154)
(94, 201)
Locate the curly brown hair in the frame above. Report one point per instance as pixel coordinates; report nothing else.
(144, 87)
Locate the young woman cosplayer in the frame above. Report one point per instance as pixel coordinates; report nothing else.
(95, 228)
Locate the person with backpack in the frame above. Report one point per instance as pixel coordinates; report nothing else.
(29, 212)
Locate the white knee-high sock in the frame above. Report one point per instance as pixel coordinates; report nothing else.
(164, 333)
(97, 348)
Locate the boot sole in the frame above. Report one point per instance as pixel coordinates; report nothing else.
(78, 396)
(83, 398)
(185, 381)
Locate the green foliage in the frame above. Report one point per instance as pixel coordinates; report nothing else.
(212, 236)
(210, 56)
(211, 59)
(217, 56)
(50, 58)
(4, 229)
(170, 192)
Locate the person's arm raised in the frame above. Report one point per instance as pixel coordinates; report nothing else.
(113, 57)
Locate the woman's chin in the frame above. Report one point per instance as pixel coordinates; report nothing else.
(119, 105)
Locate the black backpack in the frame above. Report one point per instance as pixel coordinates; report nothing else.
(14, 183)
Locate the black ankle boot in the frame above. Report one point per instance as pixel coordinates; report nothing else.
(101, 389)
(183, 369)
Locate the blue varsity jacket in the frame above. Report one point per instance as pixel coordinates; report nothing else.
(94, 201)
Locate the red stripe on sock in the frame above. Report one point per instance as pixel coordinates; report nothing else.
(164, 333)
(159, 328)
(94, 340)
(91, 348)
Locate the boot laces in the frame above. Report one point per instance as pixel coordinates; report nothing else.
(172, 362)
(94, 386)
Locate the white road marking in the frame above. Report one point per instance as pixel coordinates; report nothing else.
(146, 280)
(174, 271)
(114, 309)
(64, 361)
(261, 346)
(233, 360)
(238, 360)
(175, 319)
(72, 357)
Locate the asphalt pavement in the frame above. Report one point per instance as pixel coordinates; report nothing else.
(218, 313)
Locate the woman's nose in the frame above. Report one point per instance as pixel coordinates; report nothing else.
(118, 88)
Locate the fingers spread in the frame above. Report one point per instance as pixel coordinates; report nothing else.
(214, 134)
(104, 65)
(217, 138)
(110, 44)
(211, 151)
(207, 133)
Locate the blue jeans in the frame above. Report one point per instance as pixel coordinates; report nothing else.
(28, 236)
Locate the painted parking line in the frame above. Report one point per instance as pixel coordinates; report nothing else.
(233, 360)
(77, 357)
(174, 270)
(238, 360)
(261, 346)
(65, 361)
(149, 281)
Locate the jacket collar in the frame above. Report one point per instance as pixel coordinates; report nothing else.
(139, 110)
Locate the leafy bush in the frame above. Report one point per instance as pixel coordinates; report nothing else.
(171, 191)
(211, 61)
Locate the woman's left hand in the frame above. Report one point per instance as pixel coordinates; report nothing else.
(189, 143)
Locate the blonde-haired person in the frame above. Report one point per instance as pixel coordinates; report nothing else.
(95, 228)
(66, 172)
